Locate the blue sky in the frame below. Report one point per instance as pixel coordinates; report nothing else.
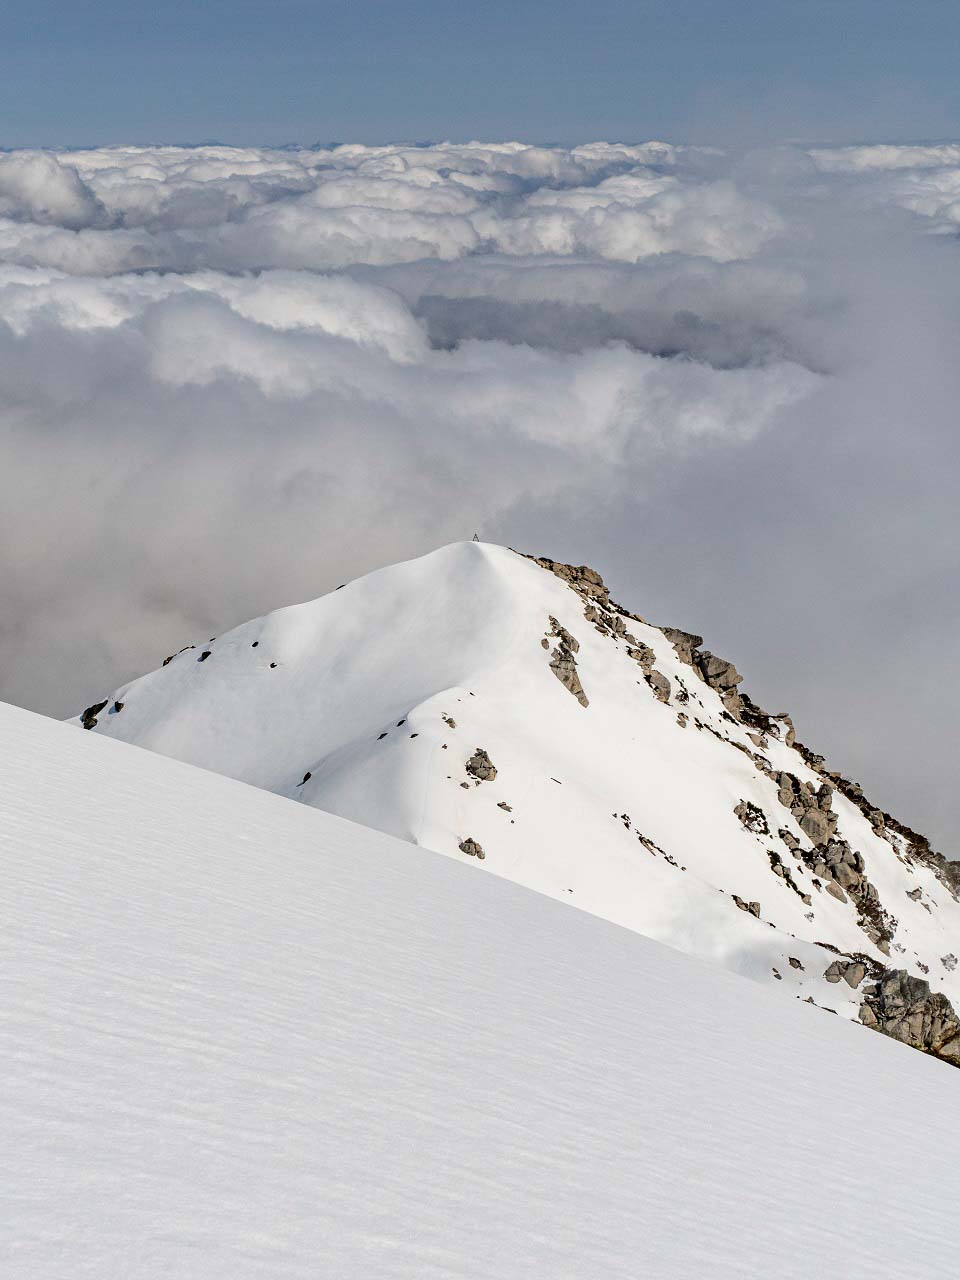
(564, 70)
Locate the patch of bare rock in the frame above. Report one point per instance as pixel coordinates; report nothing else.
(89, 717)
(563, 663)
(481, 767)
(904, 1007)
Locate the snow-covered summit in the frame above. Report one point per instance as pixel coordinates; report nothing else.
(499, 708)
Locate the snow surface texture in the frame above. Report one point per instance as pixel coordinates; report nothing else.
(661, 815)
(246, 1039)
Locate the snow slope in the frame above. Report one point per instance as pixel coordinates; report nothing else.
(370, 701)
(242, 1038)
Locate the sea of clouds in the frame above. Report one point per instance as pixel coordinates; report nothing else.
(231, 378)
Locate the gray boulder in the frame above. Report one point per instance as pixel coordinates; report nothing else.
(481, 767)
(903, 1007)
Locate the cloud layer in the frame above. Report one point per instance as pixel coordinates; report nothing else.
(230, 378)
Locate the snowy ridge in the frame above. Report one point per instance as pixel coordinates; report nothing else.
(483, 704)
(243, 1038)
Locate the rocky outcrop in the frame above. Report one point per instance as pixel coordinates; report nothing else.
(721, 675)
(904, 1007)
(832, 860)
(752, 907)
(89, 718)
(480, 766)
(810, 806)
(659, 684)
(886, 826)
(644, 657)
(171, 656)
(584, 580)
(472, 848)
(843, 872)
(563, 664)
(852, 972)
(685, 644)
(752, 817)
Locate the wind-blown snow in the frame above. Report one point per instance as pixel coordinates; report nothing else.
(244, 1038)
(369, 702)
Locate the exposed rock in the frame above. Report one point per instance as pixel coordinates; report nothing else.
(843, 871)
(794, 962)
(89, 717)
(685, 644)
(644, 656)
(563, 664)
(717, 672)
(949, 962)
(204, 656)
(886, 826)
(682, 719)
(752, 907)
(752, 817)
(818, 826)
(117, 707)
(584, 580)
(877, 824)
(915, 894)
(790, 735)
(723, 677)
(480, 766)
(502, 804)
(660, 685)
(811, 807)
(472, 849)
(851, 971)
(171, 657)
(903, 1007)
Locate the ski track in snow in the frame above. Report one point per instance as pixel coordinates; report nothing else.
(244, 1038)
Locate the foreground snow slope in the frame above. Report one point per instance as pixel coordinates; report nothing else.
(242, 1038)
(371, 701)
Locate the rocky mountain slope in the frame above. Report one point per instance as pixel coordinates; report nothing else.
(505, 711)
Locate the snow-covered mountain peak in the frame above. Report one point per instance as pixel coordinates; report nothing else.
(503, 709)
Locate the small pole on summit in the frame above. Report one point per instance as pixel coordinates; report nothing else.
(476, 538)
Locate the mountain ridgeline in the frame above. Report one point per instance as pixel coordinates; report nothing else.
(504, 710)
